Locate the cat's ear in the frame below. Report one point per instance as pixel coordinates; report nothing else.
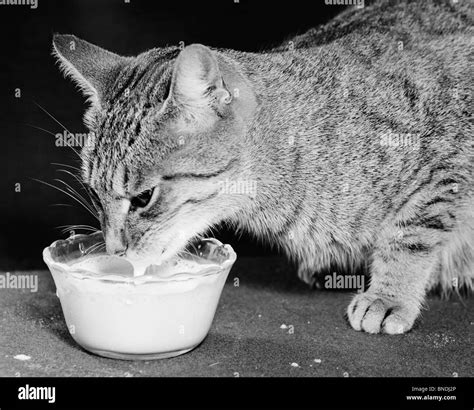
(90, 67)
(197, 84)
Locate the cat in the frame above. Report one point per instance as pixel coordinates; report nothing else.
(357, 135)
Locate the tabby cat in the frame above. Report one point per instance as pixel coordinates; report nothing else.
(358, 136)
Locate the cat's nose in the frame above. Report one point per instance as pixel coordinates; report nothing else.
(114, 249)
(114, 245)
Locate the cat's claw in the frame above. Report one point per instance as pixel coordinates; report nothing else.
(373, 313)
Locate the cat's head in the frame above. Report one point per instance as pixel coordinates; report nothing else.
(167, 134)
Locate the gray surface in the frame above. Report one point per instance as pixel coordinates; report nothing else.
(241, 341)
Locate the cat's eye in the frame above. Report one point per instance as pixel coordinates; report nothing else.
(142, 199)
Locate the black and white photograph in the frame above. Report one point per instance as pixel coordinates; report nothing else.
(241, 204)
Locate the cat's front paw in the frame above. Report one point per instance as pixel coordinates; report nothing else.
(374, 313)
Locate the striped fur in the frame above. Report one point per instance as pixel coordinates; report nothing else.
(358, 136)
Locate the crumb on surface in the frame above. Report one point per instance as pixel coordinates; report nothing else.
(22, 357)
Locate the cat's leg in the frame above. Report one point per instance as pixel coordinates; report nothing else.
(307, 273)
(402, 262)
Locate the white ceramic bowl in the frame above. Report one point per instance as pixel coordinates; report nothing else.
(145, 317)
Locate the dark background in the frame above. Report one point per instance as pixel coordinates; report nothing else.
(30, 219)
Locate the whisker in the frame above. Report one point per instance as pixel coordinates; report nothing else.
(91, 202)
(66, 165)
(50, 115)
(78, 226)
(193, 247)
(67, 228)
(68, 194)
(94, 247)
(77, 195)
(54, 135)
(57, 121)
(41, 129)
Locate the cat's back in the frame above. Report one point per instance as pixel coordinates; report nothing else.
(406, 21)
(410, 59)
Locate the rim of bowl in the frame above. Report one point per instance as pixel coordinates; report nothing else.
(206, 272)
